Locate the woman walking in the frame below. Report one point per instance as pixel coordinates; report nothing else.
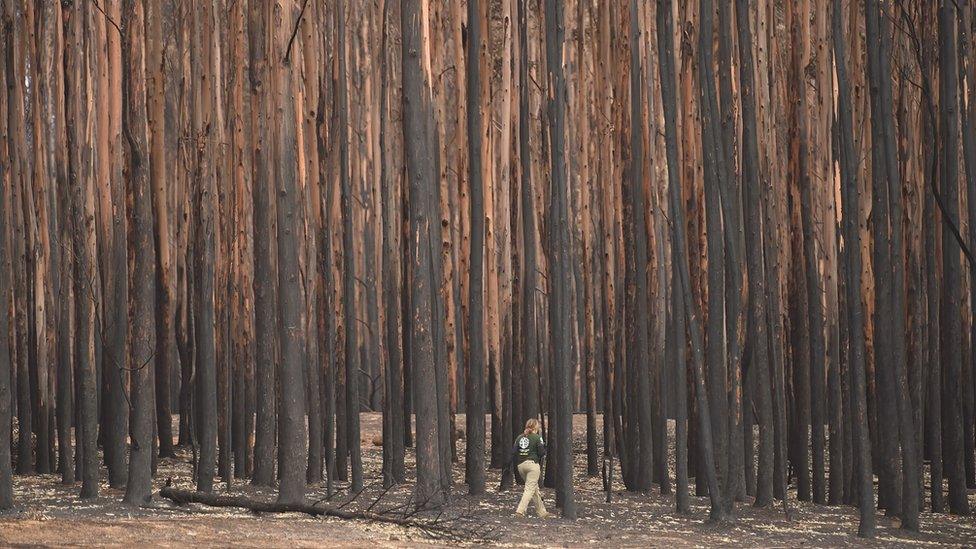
(529, 451)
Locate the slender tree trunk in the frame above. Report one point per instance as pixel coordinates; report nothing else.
(205, 371)
(906, 423)
(394, 421)
(291, 303)
(637, 263)
(559, 258)
(476, 54)
(80, 110)
(952, 424)
(6, 181)
(15, 78)
(933, 291)
(967, 79)
(813, 243)
(679, 257)
(143, 343)
(852, 262)
(736, 310)
(754, 206)
(165, 330)
(351, 321)
(115, 317)
(714, 167)
(265, 325)
(416, 97)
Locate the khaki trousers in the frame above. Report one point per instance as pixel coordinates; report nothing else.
(530, 471)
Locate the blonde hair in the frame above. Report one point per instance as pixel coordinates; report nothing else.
(531, 426)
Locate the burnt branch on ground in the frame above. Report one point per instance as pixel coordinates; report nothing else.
(455, 526)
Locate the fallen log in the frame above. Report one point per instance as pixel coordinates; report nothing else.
(438, 527)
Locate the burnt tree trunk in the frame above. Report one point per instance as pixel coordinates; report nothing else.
(6, 471)
(265, 325)
(143, 344)
(754, 206)
(421, 177)
(205, 340)
(475, 53)
(844, 130)
(349, 278)
(78, 42)
(952, 423)
(292, 433)
(559, 243)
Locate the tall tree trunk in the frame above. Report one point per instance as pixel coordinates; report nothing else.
(530, 357)
(205, 340)
(813, 244)
(165, 330)
(143, 343)
(115, 408)
(679, 254)
(899, 366)
(967, 79)
(736, 311)
(952, 424)
(6, 181)
(351, 321)
(475, 61)
(559, 258)
(81, 100)
(291, 301)
(393, 418)
(714, 168)
(419, 163)
(852, 263)
(265, 325)
(635, 233)
(754, 207)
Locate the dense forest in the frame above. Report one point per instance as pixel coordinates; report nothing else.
(736, 235)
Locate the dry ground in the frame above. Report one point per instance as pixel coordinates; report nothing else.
(49, 514)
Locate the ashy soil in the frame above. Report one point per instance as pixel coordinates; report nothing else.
(50, 514)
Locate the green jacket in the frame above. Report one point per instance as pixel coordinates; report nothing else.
(529, 447)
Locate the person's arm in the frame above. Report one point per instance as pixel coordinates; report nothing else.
(542, 449)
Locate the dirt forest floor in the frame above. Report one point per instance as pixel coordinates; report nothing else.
(50, 514)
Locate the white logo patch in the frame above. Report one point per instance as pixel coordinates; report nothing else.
(524, 443)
